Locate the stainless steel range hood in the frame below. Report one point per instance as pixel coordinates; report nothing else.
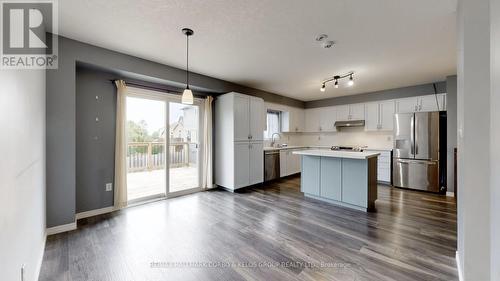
(350, 123)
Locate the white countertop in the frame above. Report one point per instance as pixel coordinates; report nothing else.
(378, 149)
(268, 148)
(338, 154)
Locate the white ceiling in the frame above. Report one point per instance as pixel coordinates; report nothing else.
(270, 44)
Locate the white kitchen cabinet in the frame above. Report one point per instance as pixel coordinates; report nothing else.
(342, 112)
(379, 116)
(372, 113)
(257, 119)
(249, 114)
(407, 105)
(357, 111)
(293, 162)
(350, 112)
(321, 119)
(292, 120)
(242, 169)
(256, 163)
(387, 110)
(384, 161)
(421, 104)
(328, 116)
(312, 120)
(283, 171)
(239, 120)
(289, 162)
(430, 103)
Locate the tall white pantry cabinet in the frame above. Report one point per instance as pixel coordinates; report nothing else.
(239, 133)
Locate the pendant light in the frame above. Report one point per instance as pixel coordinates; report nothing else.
(187, 95)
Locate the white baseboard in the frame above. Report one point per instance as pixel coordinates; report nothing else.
(450, 193)
(40, 259)
(61, 228)
(95, 212)
(459, 268)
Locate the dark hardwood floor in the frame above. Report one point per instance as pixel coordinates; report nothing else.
(266, 233)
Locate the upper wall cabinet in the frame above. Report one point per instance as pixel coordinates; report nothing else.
(350, 112)
(328, 116)
(320, 119)
(432, 103)
(292, 121)
(379, 116)
(421, 104)
(312, 119)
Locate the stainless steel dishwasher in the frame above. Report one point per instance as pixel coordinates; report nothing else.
(271, 165)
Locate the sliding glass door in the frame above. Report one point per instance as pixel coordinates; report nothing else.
(184, 123)
(146, 154)
(163, 151)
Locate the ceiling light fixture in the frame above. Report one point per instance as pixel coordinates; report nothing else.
(351, 81)
(187, 95)
(323, 87)
(336, 78)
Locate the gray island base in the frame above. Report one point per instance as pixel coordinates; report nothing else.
(347, 179)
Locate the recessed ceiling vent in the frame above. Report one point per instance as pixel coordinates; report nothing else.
(328, 44)
(322, 38)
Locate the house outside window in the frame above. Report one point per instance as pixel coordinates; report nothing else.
(273, 123)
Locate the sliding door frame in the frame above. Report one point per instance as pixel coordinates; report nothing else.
(168, 98)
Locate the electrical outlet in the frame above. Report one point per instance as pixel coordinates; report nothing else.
(109, 186)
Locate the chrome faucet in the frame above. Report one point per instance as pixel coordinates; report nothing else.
(272, 139)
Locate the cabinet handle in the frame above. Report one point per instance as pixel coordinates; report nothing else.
(248, 136)
(420, 107)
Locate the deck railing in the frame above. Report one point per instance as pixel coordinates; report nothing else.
(147, 156)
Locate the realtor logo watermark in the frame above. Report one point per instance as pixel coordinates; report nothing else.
(28, 34)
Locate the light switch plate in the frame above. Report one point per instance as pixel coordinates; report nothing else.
(109, 186)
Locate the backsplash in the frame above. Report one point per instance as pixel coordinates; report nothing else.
(347, 136)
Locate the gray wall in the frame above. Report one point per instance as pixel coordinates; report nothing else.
(451, 115)
(22, 172)
(95, 141)
(62, 112)
(412, 91)
(477, 104)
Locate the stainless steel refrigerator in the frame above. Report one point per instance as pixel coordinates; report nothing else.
(418, 159)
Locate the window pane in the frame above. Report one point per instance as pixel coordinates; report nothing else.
(273, 124)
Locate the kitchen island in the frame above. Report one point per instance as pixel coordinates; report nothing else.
(344, 178)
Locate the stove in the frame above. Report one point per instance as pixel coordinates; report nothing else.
(347, 148)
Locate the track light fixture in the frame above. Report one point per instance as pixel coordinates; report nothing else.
(323, 87)
(351, 81)
(336, 78)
